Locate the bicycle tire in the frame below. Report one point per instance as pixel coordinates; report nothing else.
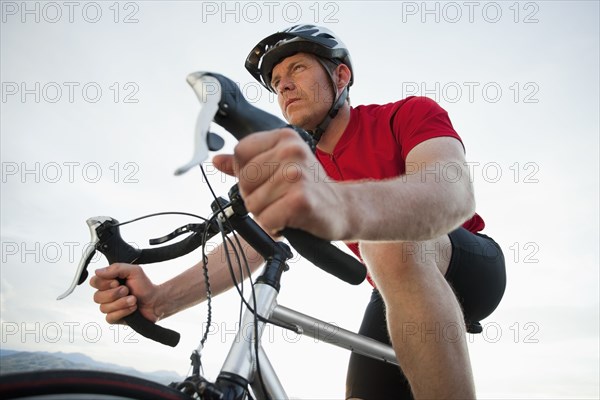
(77, 384)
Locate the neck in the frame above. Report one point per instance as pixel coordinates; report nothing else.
(335, 130)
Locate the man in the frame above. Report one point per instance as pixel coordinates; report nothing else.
(414, 226)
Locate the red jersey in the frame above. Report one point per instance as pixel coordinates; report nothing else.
(379, 137)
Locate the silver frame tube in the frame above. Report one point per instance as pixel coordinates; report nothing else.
(335, 335)
(273, 386)
(241, 358)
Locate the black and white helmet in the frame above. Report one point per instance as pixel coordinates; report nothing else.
(299, 38)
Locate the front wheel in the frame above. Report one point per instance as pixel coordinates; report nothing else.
(80, 385)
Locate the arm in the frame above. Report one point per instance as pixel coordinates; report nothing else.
(160, 301)
(434, 197)
(425, 203)
(189, 288)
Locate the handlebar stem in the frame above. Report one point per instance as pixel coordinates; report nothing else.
(275, 253)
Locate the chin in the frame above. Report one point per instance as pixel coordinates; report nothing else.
(303, 122)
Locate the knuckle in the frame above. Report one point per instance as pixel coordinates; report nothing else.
(97, 297)
(112, 319)
(104, 308)
(135, 268)
(292, 172)
(239, 152)
(291, 150)
(298, 202)
(287, 133)
(268, 222)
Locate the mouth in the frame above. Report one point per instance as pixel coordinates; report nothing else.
(290, 101)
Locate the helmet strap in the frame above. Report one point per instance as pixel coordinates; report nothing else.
(333, 111)
(335, 107)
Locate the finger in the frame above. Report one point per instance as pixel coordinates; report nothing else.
(103, 284)
(123, 303)
(117, 270)
(117, 316)
(110, 295)
(287, 211)
(278, 184)
(225, 163)
(259, 142)
(281, 165)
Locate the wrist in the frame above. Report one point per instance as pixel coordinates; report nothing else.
(160, 304)
(350, 219)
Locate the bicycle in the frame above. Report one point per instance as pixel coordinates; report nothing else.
(246, 371)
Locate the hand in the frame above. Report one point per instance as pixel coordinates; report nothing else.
(117, 301)
(283, 185)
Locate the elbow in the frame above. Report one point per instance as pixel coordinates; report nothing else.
(465, 204)
(449, 216)
(459, 207)
(469, 209)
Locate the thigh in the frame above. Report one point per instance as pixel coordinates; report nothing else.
(372, 379)
(392, 262)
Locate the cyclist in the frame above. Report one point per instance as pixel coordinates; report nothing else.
(402, 165)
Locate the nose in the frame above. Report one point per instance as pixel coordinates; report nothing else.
(284, 84)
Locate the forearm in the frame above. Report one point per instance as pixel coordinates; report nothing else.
(189, 288)
(412, 207)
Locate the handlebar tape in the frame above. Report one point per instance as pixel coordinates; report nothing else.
(116, 249)
(241, 119)
(181, 248)
(326, 256)
(149, 329)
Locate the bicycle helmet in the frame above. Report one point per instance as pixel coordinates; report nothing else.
(312, 39)
(299, 38)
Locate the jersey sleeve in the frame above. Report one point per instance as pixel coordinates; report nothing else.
(420, 119)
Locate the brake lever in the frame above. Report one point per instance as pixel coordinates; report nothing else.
(81, 273)
(208, 90)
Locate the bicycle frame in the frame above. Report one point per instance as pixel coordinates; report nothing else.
(241, 361)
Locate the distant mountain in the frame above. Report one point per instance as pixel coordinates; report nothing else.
(21, 361)
(7, 352)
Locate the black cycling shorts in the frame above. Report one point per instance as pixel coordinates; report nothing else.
(478, 277)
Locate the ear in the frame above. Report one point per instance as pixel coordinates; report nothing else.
(342, 74)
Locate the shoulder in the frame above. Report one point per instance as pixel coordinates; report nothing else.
(409, 105)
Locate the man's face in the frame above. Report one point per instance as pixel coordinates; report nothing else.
(303, 90)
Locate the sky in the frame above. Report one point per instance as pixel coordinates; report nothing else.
(96, 115)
